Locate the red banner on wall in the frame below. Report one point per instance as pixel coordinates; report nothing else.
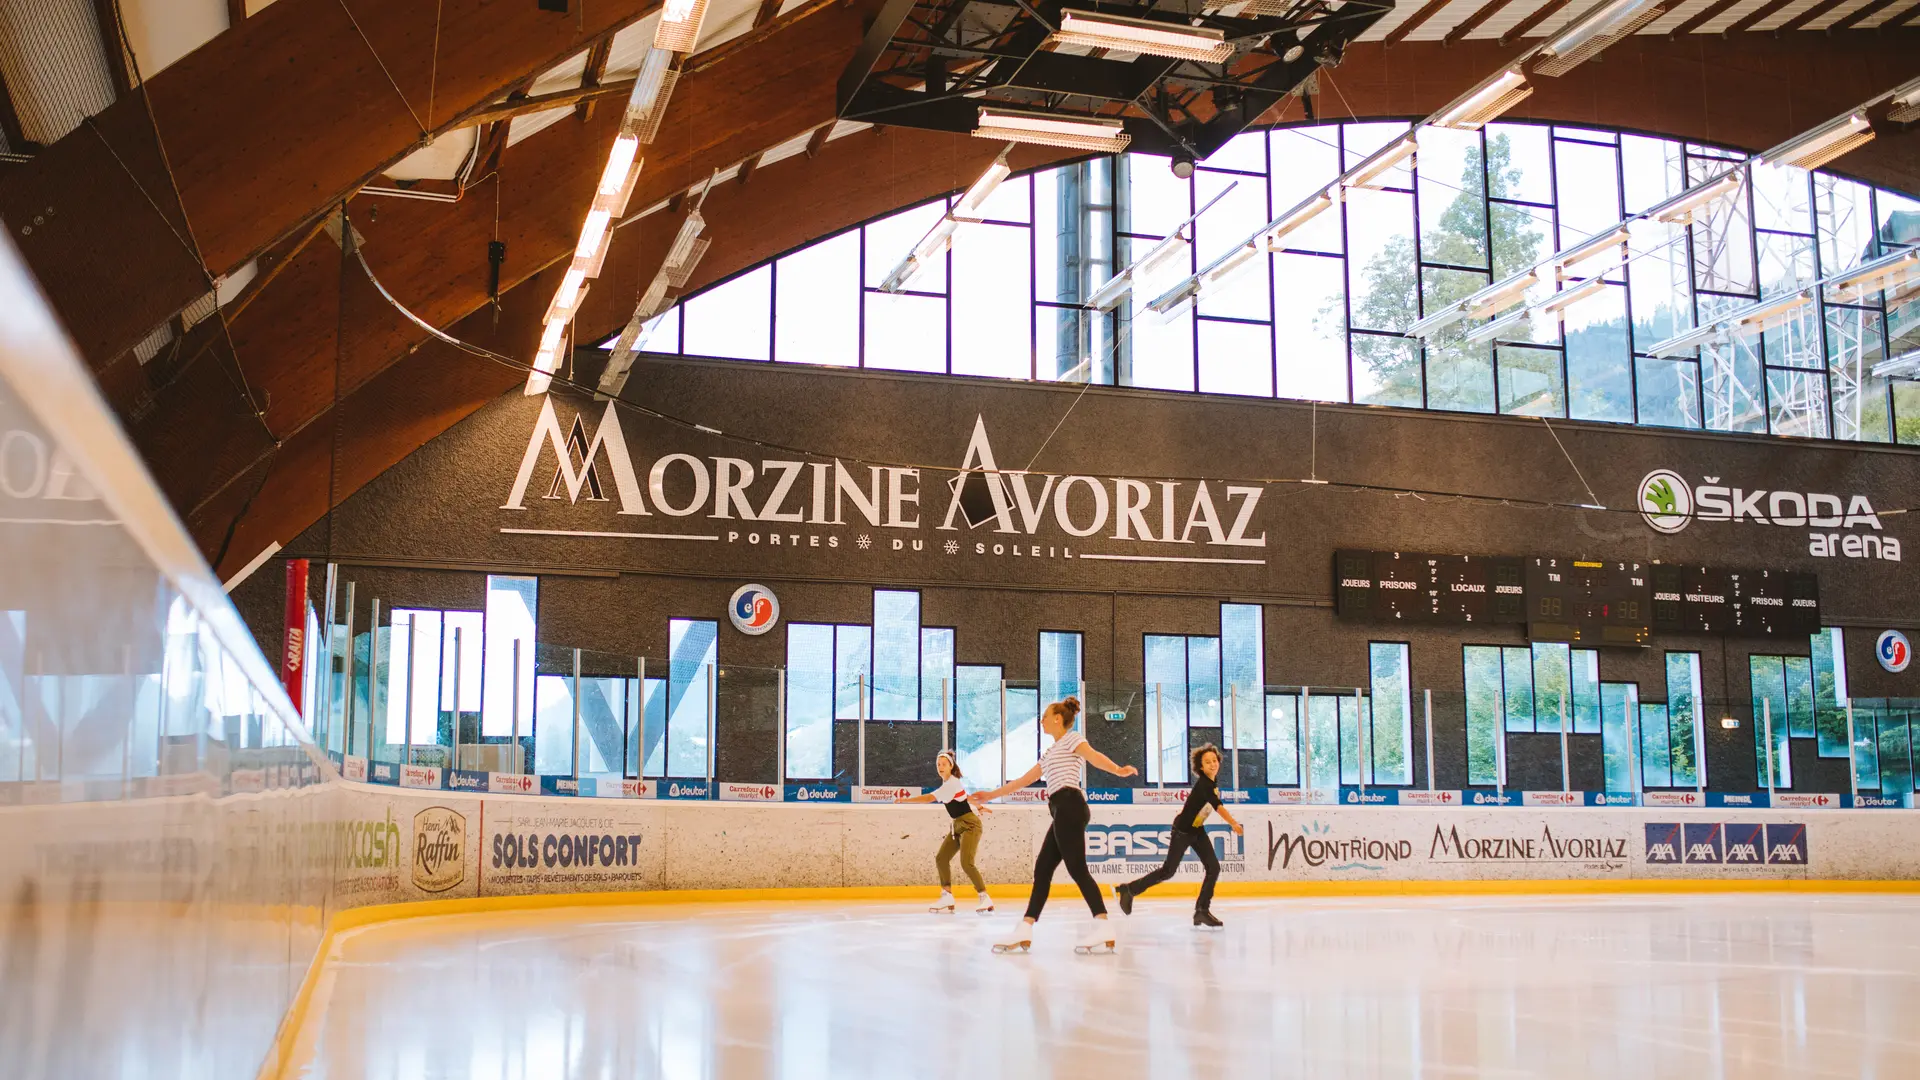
(293, 659)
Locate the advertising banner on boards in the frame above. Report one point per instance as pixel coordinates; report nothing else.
(532, 847)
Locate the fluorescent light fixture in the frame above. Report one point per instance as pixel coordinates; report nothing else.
(1589, 35)
(1105, 134)
(1174, 297)
(1499, 328)
(1821, 145)
(1906, 104)
(647, 105)
(1501, 293)
(1875, 275)
(1383, 159)
(1566, 298)
(1151, 37)
(1905, 366)
(568, 294)
(682, 245)
(1438, 321)
(1680, 209)
(1681, 344)
(1216, 275)
(619, 161)
(1485, 103)
(1277, 230)
(1108, 296)
(897, 279)
(593, 233)
(1590, 249)
(983, 188)
(937, 240)
(550, 337)
(679, 29)
(1770, 313)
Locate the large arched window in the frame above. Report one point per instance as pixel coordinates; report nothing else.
(1327, 318)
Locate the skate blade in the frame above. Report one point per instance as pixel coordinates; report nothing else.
(983, 911)
(1101, 949)
(948, 910)
(1022, 946)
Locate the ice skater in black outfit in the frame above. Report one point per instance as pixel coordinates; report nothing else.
(1064, 767)
(1189, 831)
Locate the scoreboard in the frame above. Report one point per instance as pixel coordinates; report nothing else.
(1406, 586)
(1589, 602)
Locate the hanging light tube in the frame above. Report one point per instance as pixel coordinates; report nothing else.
(1905, 366)
(1383, 159)
(679, 29)
(1877, 274)
(1175, 296)
(1104, 134)
(1498, 295)
(1770, 313)
(567, 297)
(1277, 230)
(1150, 37)
(1906, 104)
(619, 162)
(1108, 296)
(1227, 266)
(593, 233)
(1680, 209)
(1588, 250)
(1566, 298)
(683, 241)
(1821, 145)
(983, 188)
(1686, 342)
(1498, 328)
(1485, 103)
(1590, 34)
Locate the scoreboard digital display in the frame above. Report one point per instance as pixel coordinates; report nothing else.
(1589, 602)
(1415, 587)
(1775, 603)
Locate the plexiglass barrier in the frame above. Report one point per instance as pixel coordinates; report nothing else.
(1534, 726)
(165, 832)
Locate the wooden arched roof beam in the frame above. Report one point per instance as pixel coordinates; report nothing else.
(259, 131)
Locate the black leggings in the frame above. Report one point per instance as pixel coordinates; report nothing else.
(1066, 842)
(1177, 846)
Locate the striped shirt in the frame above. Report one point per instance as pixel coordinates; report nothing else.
(1063, 768)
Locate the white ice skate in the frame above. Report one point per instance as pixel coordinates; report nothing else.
(985, 906)
(1099, 940)
(942, 906)
(1021, 941)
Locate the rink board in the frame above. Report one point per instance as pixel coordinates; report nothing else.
(518, 845)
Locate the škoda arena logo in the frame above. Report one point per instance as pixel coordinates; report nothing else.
(1668, 504)
(1666, 501)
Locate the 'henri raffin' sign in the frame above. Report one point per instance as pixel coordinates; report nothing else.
(786, 503)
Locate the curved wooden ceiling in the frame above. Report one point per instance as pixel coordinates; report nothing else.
(309, 383)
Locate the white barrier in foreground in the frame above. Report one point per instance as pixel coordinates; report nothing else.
(456, 845)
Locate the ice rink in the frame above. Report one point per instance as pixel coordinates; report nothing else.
(1630, 987)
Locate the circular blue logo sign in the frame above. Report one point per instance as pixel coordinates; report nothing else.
(754, 609)
(1893, 650)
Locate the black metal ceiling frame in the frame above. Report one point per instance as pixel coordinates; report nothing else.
(920, 67)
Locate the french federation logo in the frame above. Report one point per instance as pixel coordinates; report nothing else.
(1893, 650)
(1666, 501)
(754, 609)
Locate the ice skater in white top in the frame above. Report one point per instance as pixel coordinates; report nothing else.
(963, 834)
(1065, 767)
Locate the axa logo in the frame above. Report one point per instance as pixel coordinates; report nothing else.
(754, 609)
